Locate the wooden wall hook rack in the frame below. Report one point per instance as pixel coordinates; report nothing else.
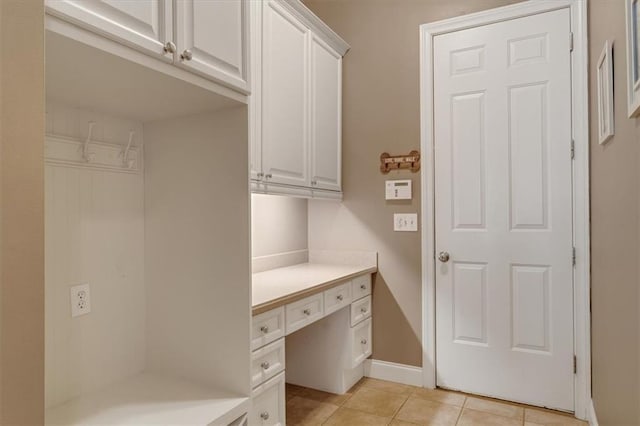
(390, 162)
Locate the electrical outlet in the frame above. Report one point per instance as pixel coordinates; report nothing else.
(405, 222)
(80, 300)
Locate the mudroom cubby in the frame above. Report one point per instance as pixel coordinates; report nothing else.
(147, 205)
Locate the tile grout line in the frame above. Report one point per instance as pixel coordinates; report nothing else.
(394, 417)
(461, 410)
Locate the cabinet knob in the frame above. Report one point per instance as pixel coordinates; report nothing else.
(260, 175)
(314, 182)
(265, 365)
(363, 341)
(363, 310)
(187, 55)
(169, 47)
(363, 287)
(264, 415)
(339, 297)
(306, 312)
(268, 176)
(264, 329)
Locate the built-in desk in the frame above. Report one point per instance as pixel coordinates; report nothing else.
(323, 308)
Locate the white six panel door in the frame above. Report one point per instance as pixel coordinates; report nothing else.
(284, 97)
(504, 301)
(144, 25)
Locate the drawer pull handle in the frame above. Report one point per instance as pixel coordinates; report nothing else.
(363, 341)
(264, 329)
(363, 310)
(264, 415)
(363, 287)
(306, 312)
(265, 365)
(339, 297)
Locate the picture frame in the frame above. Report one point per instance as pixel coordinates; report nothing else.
(604, 74)
(632, 14)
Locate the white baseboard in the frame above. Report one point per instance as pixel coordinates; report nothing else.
(399, 373)
(592, 419)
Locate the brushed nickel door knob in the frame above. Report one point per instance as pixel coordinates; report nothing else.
(169, 47)
(443, 257)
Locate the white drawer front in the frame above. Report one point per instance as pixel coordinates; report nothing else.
(267, 327)
(304, 312)
(266, 362)
(361, 286)
(360, 309)
(337, 298)
(360, 342)
(268, 403)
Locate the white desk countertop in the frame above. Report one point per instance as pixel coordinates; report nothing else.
(280, 286)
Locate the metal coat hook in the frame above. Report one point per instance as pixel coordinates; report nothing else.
(125, 154)
(88, 156)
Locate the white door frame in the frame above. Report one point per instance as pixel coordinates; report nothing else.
(580, 132)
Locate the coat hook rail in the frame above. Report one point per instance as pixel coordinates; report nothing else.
(125, 153)
(86, 155)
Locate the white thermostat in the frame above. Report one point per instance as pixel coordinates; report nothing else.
(398, 189)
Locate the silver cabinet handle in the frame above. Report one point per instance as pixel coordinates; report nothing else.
(268, 176)
(169, 47)
(314, 182)
(339, 297)
(443, 257)
(260, 175)
(264, 415)
(363, 287)
(265, 365)
(363, 310)
(187, 55)
(264, 329)
(363, 341)
(306, 312)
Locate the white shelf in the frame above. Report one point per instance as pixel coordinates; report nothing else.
(148, 399)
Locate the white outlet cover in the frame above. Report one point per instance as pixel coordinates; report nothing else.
(405, 222)
(80, 300)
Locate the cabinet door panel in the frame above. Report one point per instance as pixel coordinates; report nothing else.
(144, 25)
(326, 73)
(217, 35)
(285, 99)
(255, 101)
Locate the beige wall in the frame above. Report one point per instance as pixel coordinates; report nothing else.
(381, 105)
(278, 224)
(615, 235)
(22, 220)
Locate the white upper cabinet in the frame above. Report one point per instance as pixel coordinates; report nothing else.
(284, 97)
(209, 38)
(143, 25)
(212, 39)
(295, 105)
(326, 112)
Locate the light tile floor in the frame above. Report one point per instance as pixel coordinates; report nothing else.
(374, 402)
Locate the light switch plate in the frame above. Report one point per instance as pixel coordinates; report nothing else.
(404, 222)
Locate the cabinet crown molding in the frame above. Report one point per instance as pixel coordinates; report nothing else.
(322, 30)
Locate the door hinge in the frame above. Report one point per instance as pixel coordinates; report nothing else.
(575, 364)
(573, 256)
(570, 42)
(573, 149)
